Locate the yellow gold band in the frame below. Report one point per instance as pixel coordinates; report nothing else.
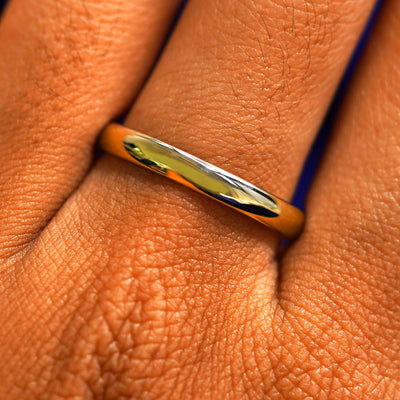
(203, 177)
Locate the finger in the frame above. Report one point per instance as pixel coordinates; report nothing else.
(66, 68)
(172, 278)
(249, 72)
(347, 262)
(245, 116)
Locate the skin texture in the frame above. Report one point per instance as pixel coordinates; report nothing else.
(119, 284)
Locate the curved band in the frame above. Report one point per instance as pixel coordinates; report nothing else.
(203, 177)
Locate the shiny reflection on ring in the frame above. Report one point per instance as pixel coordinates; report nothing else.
(201, 176)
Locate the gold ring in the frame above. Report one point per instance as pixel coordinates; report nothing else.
(203, 177)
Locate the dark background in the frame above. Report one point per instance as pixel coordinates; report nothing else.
(321, 140)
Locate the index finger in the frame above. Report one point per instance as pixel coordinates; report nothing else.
(66, 68)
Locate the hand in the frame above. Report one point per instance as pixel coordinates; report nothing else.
(117, 283)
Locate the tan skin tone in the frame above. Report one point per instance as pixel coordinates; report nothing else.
(119, 284)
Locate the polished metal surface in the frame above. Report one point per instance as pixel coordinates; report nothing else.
(203, 177)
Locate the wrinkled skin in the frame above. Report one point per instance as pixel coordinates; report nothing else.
(119, 284)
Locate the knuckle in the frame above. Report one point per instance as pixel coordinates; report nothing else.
(118, 341)
(153, 320)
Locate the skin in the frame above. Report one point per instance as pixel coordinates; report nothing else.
(119, 284)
